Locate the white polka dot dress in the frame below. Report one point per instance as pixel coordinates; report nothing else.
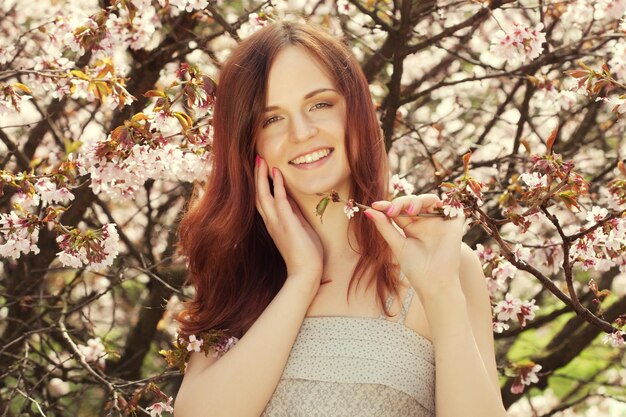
(357, 367)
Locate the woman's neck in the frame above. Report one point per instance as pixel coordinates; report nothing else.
(338, 240)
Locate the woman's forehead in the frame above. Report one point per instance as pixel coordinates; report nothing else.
(294, 74)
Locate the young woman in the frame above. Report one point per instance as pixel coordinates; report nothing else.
(325, 311)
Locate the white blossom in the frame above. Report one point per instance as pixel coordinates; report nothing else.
(615, 339)
(519, 43)
(400, 185)
(194, 344)
(93, 351)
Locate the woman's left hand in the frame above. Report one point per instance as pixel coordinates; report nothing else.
(428, 249)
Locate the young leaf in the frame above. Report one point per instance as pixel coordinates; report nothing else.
(321, 207)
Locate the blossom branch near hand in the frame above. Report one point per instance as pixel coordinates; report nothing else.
(352, 207)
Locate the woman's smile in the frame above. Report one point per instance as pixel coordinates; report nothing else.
(312, 160)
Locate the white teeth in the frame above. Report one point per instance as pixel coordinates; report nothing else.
(311, 157)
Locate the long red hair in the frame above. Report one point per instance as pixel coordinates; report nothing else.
(232, 261)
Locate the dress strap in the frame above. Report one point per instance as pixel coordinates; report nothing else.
(405, 307)
(388, 304)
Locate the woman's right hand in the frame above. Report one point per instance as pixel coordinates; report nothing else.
(292, 234)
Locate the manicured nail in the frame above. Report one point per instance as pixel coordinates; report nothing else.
(389, 210)
(257, 160)
(369, 215)
(410, 208)
(273, 171)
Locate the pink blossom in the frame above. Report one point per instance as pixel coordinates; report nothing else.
(503, 271)
(508, 308)
(6, 53)
(224, 346)
(400, 185)
(344, 7)
(499, 327)
(618, 104)
(135, 33)
(350, 208)
(596, 214)
(578, 13)
(617, 64)
(194, 344)
(485, 254)
(196, 5)
(93, 249)
(58, 388)
(526, 312)
(534, 180)
(610, 9)
(26, 200)
(512, 307)
(519, 43)
(615, 339)
(157, 409)
(521, 253)
(93, 351)
(453, 209)
(18, 235)
(527, 375)
(51, 194)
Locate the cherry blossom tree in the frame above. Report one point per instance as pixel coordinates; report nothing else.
(513, 111)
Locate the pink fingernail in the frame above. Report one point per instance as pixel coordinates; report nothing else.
(273, 171)
(389, 210)
(410, 209)
(369, 215)
(257, 160)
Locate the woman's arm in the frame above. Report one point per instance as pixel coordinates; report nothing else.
(460, 323)
(242, 381)
(452, 290)
(479, 310)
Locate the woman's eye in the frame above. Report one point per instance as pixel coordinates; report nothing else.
(320, 105)
(270, 120)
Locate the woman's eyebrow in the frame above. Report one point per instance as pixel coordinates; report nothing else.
(306, 97)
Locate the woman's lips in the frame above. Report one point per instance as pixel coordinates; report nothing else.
(314, 164)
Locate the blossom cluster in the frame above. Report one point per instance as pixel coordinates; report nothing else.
(513, 308)
(526, 375)
(400, 186)
(120, 175)
(350, 208)
(519, 43)
(215, 342)
(158, 408)
(94, 351)
(95, 249)
(615, 339)
(18, 235)
(604, 247)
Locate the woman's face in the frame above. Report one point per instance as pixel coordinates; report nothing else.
(303, 128)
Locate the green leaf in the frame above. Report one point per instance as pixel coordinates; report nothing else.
(321, 207)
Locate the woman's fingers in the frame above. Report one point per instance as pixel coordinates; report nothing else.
(392, 236)
(411, 205)
(280, 193)
(271, 207)
(263, 195)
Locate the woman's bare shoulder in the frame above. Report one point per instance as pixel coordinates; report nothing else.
(198, 362)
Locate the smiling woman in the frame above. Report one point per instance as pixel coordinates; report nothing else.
(293, 118)
(303, 133)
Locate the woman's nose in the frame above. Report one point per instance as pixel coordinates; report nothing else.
(302, 129)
